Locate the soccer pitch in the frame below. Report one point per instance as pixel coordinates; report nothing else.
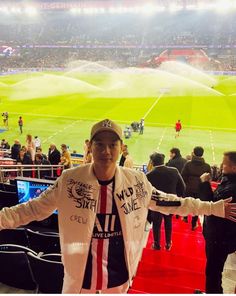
(61, 107)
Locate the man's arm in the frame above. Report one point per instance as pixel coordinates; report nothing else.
(181, 187)
(205, 190)
(172, 204)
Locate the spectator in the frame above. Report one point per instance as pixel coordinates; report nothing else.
(54, 155)
(25, 158)
(126, 159)
(102, 210)
(176, 160)
(5, 145)
(30, 145)
(40, 160)
(88, 158)
(40, 151)
(168, 180)
(191, 173)
(15, 149)
(65, 157)
(219, 234)
(37, 142)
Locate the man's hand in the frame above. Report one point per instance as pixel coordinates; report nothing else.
(206, 177)
(230, 209)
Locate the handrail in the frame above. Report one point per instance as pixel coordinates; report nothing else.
(11, 171)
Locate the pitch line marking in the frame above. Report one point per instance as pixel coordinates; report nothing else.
(60, 131)
(161, 139)
(153, 105)
(212, 146)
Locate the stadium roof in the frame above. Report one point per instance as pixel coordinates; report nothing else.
(118, 6)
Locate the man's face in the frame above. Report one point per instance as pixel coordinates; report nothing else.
(106, 148)
(228, 167)
(172, 155)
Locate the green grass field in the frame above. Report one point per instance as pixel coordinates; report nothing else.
(61, 107)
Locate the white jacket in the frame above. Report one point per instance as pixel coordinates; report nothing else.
(75, 195)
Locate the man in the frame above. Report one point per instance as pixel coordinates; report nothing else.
(5, 119)
(125, 159)
(20, 123)
(54, 155)
(102, 211)
(219, 234)
(141, 126)
(191, 173)
(40, 160)
(178, 127)
(176, 160)
(168, 180)
(65, 157)
(15, 149)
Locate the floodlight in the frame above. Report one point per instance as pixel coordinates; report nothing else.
(148, 9)
(174, 7)
(5, 9)
(223, 6)
(31, 11)
(15, 10)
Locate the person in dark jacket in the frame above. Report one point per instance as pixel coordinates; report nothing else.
(54, 155)
(42, 172)
(191, 173)
(15, 149)
(176, 160)
(219, 234)
(168, 180)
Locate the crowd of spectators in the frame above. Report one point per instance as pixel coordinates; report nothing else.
(55, 38)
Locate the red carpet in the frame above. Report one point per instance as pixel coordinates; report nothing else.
(178, 271)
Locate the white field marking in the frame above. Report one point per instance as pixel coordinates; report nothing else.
(153, 105)
(161, 139)
(60, 131)
(126, 121)
(196, 127)
(212, 146)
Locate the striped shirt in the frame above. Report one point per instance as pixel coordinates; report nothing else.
(106, 266)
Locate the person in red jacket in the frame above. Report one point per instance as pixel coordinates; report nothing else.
(178, 128)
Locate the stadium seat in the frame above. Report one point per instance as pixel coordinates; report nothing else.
(8, 199)
(48, 274)
(15, 269)
(43, 242)
(16, 236)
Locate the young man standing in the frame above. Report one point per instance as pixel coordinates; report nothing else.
(178, 127)
(102, 212)
(219, 234)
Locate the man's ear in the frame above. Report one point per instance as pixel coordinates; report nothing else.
(234, 168)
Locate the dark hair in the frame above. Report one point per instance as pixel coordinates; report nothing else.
(39, 156)
(198, 151)
(176, 151)
(231, 155)
(157, 158)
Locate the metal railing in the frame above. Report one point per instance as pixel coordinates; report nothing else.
(11, 171)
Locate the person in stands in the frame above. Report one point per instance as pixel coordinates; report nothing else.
(191, 173)
(219, 234)
(102, 211)
(176, 160)
(168, 180)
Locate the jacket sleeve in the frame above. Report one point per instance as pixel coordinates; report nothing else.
(205, 191)
(181, 187)
(172, 204)
(35, 209)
